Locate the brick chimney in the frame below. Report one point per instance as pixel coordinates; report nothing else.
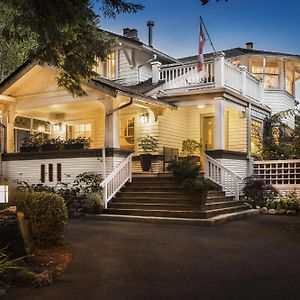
(249, 45)
(131, 33)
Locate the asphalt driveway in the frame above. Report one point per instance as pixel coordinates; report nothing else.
(256, 258)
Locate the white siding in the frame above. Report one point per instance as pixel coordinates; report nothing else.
(280, 101)
(238, 166)
(127, 75)
(30, 170)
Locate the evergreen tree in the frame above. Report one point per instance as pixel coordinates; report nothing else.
(61, 33)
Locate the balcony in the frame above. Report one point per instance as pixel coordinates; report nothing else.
(216, 73)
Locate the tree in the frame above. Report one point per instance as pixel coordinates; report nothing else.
(206, 1)
(61, 33)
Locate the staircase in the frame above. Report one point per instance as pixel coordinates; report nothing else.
(159, 199)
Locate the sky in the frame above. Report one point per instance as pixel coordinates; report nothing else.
(271, 24)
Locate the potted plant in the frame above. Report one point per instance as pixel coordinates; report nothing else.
(32, 143)
(148, 144)
(51, 144)
(191, 148)
(79, 143)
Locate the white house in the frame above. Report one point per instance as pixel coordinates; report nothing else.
(143, 91)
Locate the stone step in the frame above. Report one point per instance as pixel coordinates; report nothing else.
(191, 214)
(172, 206)
(156, 194)
(180, 221)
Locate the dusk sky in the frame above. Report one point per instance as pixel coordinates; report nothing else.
(270, 24)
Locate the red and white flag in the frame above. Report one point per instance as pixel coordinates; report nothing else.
(200, 61)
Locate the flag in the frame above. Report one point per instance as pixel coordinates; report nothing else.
(200, 61)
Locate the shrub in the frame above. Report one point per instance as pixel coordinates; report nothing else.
(289, 201)
(148, 144)
(190, 147)
(184, 169)
(87, 183)
(257, 192)
(46, 214)
(95, 200)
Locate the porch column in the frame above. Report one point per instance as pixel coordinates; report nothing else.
(219, 126)
(249, 129)
(8, 121)
(112, 130)
(219, 69)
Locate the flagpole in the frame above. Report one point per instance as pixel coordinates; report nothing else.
(211, 43)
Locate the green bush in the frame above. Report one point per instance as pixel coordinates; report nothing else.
(257, 192)
(184, 170)
(46, 214)
(289, 201)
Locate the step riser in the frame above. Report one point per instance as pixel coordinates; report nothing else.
(156, 195)
(173, 214)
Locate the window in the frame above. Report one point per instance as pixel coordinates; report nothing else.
(59, 172)
(109, 66)
(43, 171)
(129, 132)
(256, 132)
(82, 130)
(272, 71)
(50, 172)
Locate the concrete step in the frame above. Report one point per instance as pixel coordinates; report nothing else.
(180, 221)
(156, 194)
(169, 200)
(173, 213)
(172, 206)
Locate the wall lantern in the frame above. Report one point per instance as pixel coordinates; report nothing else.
(41, 129)
(201, 106)
(144, 118)
(56, 128)
(3, 193)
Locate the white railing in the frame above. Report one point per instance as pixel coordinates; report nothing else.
(216, 73)
(176, 76)
(228, 180)
(233, 76)
(116, 179)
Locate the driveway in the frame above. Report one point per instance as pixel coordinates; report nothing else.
(255, 258)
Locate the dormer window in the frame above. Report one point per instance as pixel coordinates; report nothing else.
(272, 72)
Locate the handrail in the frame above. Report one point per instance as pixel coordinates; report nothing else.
(222, 176)
(116, 179)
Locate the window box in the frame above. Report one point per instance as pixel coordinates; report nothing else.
(29, 149)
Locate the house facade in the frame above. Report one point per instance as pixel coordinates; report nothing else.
(141, 91)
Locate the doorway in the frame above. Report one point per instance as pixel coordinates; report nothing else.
(208, 133)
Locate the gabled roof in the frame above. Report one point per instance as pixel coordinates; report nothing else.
(163, 55)
(118, 88)
(236, 52)
(146, 86)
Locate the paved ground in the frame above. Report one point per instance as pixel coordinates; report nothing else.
(257, 258)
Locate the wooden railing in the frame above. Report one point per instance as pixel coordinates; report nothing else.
(176, 76)
(116, 179)
(228, 180)
(216, 73)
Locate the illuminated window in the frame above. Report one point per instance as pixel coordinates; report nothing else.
(272, 71)
(82, 130)
(109, 66)
(256, 132)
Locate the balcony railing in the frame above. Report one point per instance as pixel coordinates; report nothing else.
(216, 73)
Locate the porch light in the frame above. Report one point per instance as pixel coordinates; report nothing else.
(201, 106)
(144, 118)
(41, 128)
(3, 193)
(56, 128)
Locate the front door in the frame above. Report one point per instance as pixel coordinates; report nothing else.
(208, 133)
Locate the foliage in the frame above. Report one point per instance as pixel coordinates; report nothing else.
(184, 170)
(289, 201)
(34, 140)
(148, 144)
(87, 183)
(61, 33)
(257, 192)
(95, 200)
(78, 140)
(46, 214)
(206, 1)
(190, 147)
(198, 184)
(277, 138)
(7, 264)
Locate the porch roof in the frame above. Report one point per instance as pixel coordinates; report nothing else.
(101, 82)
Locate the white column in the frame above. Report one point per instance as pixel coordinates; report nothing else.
(8, 121)
(155, 71)
(249, 129)
(112, 130)
(219, 69)
(220, 128)
(244, 79)
(282, 76)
